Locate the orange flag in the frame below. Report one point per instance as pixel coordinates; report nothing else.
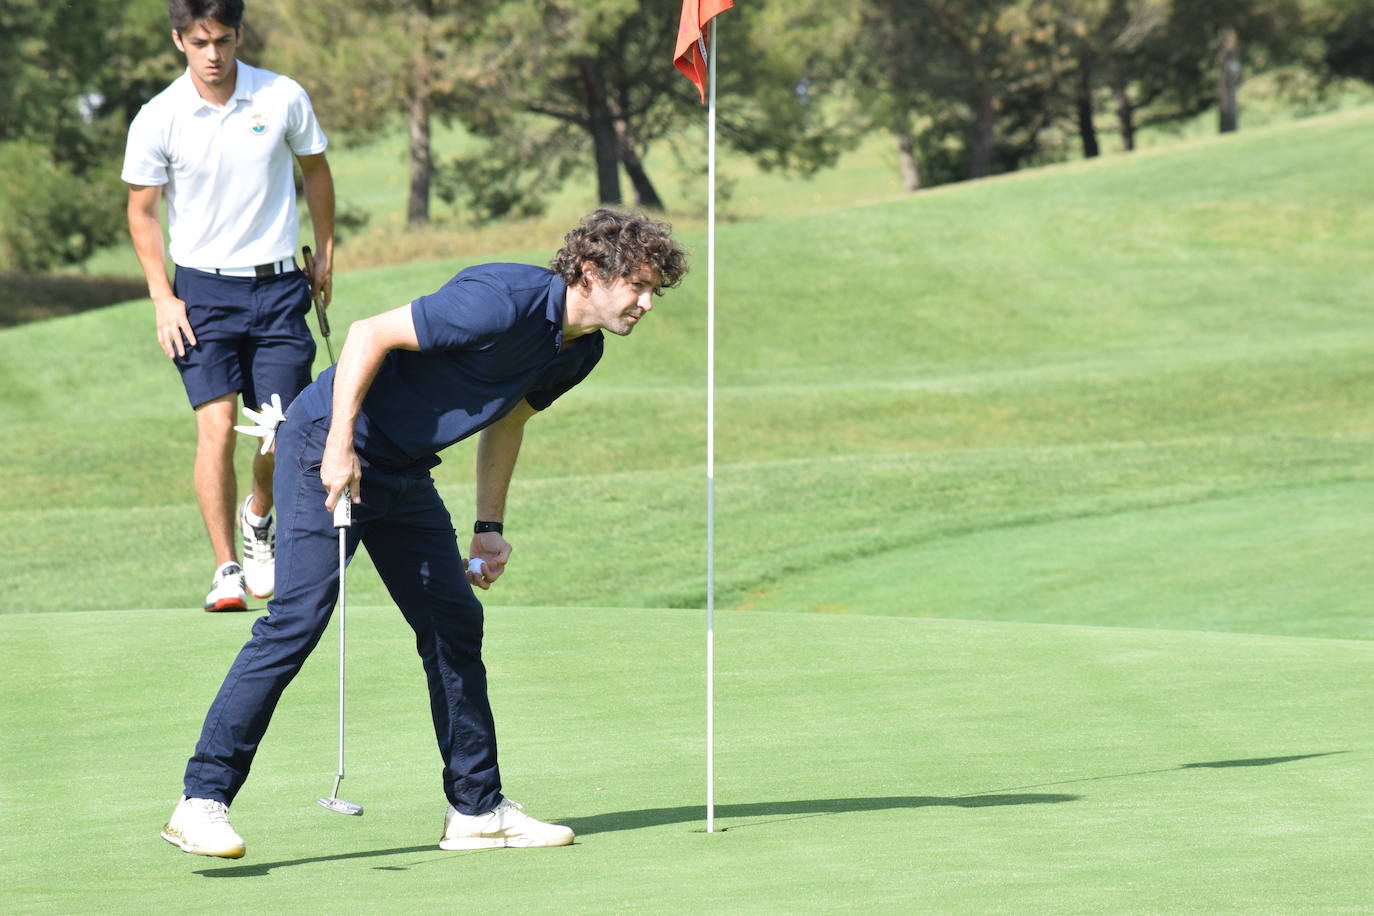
(690, 56)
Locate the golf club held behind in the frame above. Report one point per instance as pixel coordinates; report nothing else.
(320, 316)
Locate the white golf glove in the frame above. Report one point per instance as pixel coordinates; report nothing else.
(267, 420)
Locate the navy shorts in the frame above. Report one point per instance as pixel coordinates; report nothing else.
(251, 336)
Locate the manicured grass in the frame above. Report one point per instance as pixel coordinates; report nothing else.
(1281, 561)
(371, 180)
(1068, 466)
(1085, 342)
(891, 764)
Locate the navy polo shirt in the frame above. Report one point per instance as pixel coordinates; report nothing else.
(489, 338)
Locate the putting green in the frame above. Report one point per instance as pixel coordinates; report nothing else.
(882, 763)
(1278, 561)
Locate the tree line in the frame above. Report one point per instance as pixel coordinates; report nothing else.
(561, 89)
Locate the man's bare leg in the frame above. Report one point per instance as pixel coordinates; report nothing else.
(263, 465)
(216, 488)
(259, 541)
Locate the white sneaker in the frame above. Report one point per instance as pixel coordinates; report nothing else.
(226, 590)
(506, 825)
(259, 551)
(201, 827)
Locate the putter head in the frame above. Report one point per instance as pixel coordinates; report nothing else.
(339, 805)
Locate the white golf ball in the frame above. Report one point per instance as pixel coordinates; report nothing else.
(475, 566)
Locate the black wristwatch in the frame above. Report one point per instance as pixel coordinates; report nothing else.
(484, 527)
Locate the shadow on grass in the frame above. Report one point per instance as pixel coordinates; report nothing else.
(264, 868)
(35, 297)
(1209, 765)
(1255, 761)
(773, 812)
(769, 812)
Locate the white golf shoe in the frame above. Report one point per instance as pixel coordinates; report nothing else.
(201, 827)
(259, 553)
(506, 825)
(226, 590)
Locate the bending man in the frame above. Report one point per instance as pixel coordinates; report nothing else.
(493, 347)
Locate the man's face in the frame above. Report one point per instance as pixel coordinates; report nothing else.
(618, 304)
(209, 48)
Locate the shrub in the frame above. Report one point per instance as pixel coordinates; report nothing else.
(49, 214)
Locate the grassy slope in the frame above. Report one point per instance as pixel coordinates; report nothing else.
(1130, 394)
(371, 181)
(1077, 344)
(1097, 341)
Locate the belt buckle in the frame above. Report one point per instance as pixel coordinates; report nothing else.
(265, 271)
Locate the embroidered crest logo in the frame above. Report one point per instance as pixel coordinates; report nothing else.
(258, 126)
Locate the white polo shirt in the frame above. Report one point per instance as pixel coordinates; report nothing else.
(231, 194)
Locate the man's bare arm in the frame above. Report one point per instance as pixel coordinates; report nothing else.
(367, 344)
(498, 447)
(319, 197)
(174, 331)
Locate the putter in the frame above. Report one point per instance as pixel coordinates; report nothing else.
(320, 316)
(343, 519)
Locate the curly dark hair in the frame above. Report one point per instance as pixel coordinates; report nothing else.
(619, 245)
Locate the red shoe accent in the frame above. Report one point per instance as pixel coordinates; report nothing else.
(228, 604)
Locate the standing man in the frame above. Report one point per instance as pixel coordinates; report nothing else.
(219, 142)
(494, 346)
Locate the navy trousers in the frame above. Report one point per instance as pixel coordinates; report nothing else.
(409, 536)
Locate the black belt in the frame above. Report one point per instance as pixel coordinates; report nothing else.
(259, 271)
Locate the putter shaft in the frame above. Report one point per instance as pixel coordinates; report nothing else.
(343, 519)
(343, 559)
(320, 317)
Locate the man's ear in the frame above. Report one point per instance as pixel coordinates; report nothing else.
(588, 273)
(176, 40)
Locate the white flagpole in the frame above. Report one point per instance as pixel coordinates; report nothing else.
(711, 441)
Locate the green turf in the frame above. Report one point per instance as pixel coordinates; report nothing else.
(893, 765)
(1070, 468)
(1286, 561)
(1088, 341)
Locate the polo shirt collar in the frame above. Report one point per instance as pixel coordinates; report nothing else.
(556, 307)
(556, 302)
(245, 83)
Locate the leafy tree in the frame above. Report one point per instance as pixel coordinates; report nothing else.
(61, 94)
(567, 78)
(64, 110)
(895, 60)
(983, 72)
(1347, 32)
(373, 65)
(787, 88)
(53, 215)
(1224, 34)
(1103, 39)
(1168, 60)
(523, 159)
(598, 66)
(1157, 70)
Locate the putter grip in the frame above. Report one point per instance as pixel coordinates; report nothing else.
(309, 258)
(343, 510)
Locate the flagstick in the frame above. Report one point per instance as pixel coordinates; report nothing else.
(711, 441)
